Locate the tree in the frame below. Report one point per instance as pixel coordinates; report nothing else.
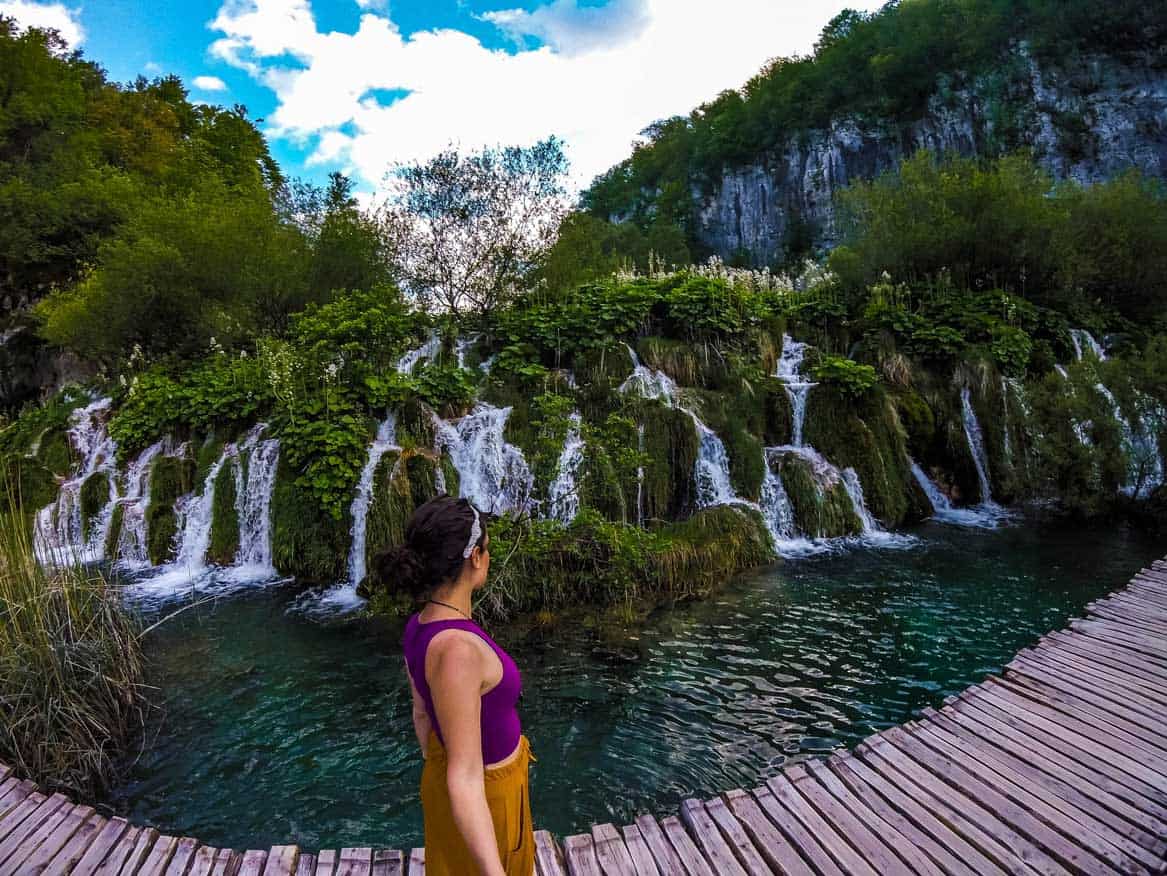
(466, 230)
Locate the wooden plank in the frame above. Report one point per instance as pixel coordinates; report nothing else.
(227, 863)
(922, 837)
(12, 793)
(663, 853)
(5, 772)
(708, 838)
(1131, 838)
(805, 842)
(580, 853)
(34, 855)
(901, 845)
(1000, 814)
(1125, 627)
(388, 862)
(868, 844)
(159, 857)
(736, 838)
(72, 852)
(945, 804)
(98, 850)
(548, 855)
(1134, 614)
(1147, 648)
(417, 862)
(281, 861)
(835, 845)
(254, 860)
(1094, 671)
(1087, 650)
(1110, 747)
(1133, 770)
(1108, 716)
(134, 857)
(782, 856)
(204, 861)
(19, 813)
(611, 853)
(306, 866)
(326, 862)
(32, 821)
(1086, 834)
(184, 855)
(355, 862)
(638, 849)
(1028, 738)
(1120, 694)
(682, 844)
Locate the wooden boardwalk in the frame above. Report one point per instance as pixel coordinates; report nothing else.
(1058, 766)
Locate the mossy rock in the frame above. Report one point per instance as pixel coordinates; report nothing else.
(224, 542)
(170, 478)
(736, 418)
(864, 434)
(599, 374)
(30, 484)
(601, 490)
(54, 452)
(918, 420)
(208, 453)
(94, 497)
(114, 536)
(308, 543)
(777, 413)
(687, 363)
(694, 556)
(415, 425)
(820, 512)
(671, 445)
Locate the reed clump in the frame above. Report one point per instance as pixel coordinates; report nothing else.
(71, 691)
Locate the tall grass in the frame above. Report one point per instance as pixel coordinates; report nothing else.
(71, 694)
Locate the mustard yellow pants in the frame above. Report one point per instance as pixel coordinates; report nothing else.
(507, 795)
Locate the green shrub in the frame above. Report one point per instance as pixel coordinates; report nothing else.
(848, 376)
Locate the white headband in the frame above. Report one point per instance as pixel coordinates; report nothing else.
(475, 534)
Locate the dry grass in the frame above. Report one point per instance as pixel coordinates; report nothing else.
(71, 695)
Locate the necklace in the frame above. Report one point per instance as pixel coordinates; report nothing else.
(447, 605)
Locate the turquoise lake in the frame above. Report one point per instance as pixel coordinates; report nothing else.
(276, 728)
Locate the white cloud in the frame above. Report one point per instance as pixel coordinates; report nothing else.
(459, 90)
(209, 83)
(376, 5)
(55, 16)
(572, 29)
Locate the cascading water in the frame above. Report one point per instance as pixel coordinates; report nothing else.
(976, 446)
(131, 549)
(563, 495)
(429, 350)
(944, 511)
(779, 514)
(1084, 342)
(59, 537)
(790, 372)
(1144, 462)
(640, 476)
(253, 504)
(492, 473)
(712, 471)
(647, 383)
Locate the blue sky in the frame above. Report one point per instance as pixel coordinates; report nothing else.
(356, 85)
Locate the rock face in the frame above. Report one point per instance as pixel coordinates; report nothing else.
(1087, 121)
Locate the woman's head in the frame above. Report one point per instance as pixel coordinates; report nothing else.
(445, 541)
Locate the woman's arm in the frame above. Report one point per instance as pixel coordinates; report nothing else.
(456, 679)
(421, 718)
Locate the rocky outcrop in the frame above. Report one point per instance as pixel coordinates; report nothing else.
(1085, 121)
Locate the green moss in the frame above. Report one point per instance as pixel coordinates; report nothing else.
(599, 374)
(450, 475)
(777, 413)
(307, 542)
(29, 484)
(688, 363)
(94, 497)
(54, 452)
(694, 556)
(917, 418)
(170, 478)
(224, 543)
(671, 445)
(113, 537)
(601, 489)
(864, 434)
(208, 454)
(415, 425)
(737, 417)
(824, 512)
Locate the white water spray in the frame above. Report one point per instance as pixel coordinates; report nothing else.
(563, 494)
(797, 388)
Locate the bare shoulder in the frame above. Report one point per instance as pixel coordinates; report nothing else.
(454, 651)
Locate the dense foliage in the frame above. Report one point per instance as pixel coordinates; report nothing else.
(881, 67)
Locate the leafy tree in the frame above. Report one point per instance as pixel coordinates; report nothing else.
(466, 229)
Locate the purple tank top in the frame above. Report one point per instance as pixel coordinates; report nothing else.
(500, 719)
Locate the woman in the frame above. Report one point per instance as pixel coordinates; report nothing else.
(474, 788)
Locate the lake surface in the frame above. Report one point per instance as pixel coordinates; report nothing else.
(276, 728)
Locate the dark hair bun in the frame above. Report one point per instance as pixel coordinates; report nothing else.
(435, 540)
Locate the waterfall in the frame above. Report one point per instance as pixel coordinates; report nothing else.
(253, 504)
(1084, 341)
(976, 446)
(944, 511)
(1005, 421)
(648, 383)
(385, 441)
(563, 494)
(1144, 462)
(779, 514)
(640, 476)
(872, 534)
(493, 474)
(461, 346)
(429, 350)
(789, 370)
(57, 537)
(131, 548)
